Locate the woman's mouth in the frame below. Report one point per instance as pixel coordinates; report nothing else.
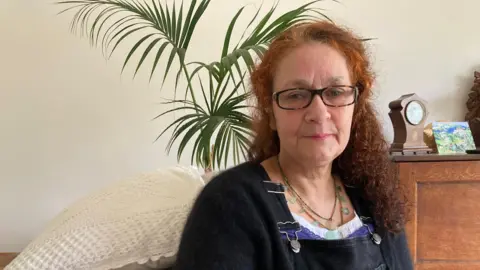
(320, 136)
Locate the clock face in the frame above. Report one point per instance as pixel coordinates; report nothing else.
(415, 112)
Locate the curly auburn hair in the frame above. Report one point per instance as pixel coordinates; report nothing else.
(365, 162)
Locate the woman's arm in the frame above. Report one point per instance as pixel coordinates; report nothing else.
(223, 230)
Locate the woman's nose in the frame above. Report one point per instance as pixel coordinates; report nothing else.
(317, 111)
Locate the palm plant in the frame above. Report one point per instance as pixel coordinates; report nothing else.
(215, 122)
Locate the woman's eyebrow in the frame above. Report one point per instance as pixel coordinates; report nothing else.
(335, 80)
(298, 83)
(304, 83)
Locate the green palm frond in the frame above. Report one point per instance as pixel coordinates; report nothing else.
(234, 59)
(256, 43)
(221, 123)
(165, 30)
(216, 120)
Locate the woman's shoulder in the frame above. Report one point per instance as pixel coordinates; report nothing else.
(244, 177)
(237, 192)
(229, 217)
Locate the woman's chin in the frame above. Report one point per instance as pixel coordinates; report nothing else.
(320, 152)
(319, 158)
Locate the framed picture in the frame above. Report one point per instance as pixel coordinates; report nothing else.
(452, 137)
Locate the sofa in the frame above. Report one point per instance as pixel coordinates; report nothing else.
(133, 224)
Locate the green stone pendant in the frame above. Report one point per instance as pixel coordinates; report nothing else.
(332, 235)
(345, 211)
(292, 200)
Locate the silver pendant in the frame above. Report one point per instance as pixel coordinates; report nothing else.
(377, 239)
(295, 245)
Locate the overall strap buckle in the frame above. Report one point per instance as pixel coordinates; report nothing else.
(273, 187)
(282, 213)
(376, 238)
(289, 225)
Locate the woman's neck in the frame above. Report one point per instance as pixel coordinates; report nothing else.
(312, 182)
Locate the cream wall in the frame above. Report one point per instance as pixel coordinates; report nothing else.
(72, 124)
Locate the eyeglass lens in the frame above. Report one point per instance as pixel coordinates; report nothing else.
(332, 96)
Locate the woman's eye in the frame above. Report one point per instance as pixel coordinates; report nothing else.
(334, 92)
(296, 95)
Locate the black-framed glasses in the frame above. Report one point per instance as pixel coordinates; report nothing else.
(299, 98)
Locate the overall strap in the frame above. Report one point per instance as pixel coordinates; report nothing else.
(277, 192)
(363, 208)
(275, 196)
(280, 209)
(364, 211)
(284, 219)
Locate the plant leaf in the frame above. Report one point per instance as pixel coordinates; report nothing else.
(220, 120)
(158, 18)
(147, 51)
(124, 36)
(157, 57)
(106, 40)
(228, 35)
(261, 36)
(134, 49)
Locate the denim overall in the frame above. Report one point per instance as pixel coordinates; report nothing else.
(362, 253)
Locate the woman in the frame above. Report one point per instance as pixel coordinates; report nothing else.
(319, 191)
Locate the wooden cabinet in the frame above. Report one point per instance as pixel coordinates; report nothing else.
(444, 196)
(6, 258)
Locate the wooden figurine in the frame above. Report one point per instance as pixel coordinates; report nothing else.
(473, 107)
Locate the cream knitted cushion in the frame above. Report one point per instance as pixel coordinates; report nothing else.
(133, 224)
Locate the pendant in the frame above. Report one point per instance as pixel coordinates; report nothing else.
(292, 200)
(332, 235)
(345, 211)
(295, 246)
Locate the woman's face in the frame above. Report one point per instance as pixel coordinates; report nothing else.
(317, 133)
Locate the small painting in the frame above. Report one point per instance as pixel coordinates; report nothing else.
(452, 137)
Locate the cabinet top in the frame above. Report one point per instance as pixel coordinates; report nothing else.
(435, 157)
